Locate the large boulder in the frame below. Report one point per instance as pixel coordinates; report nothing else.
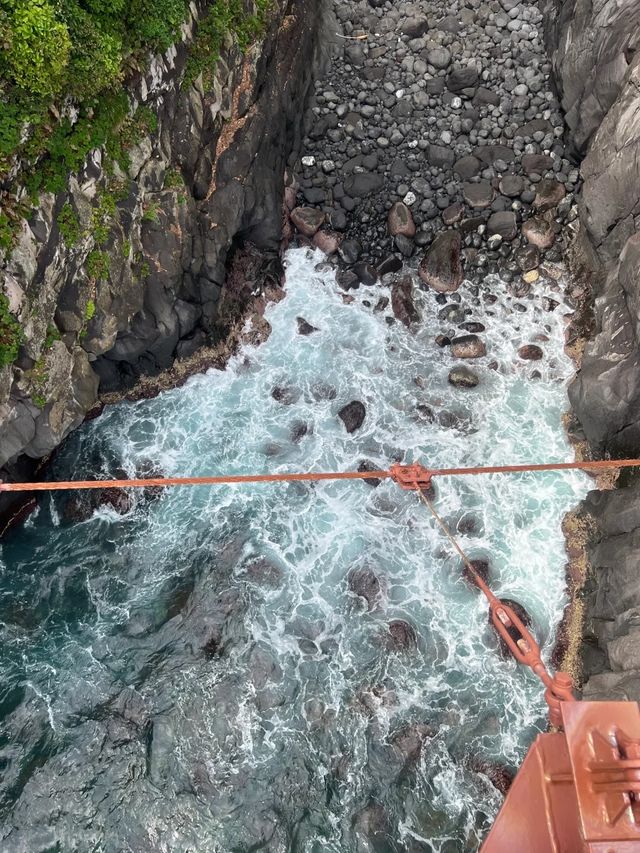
(352, 415)
(441, 267)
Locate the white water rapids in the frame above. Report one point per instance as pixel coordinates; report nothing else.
(197, 675)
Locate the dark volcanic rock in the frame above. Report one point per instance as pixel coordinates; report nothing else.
(478, 196)
(462, 77)
(536, 163)
(365, 583)
(481, 567)
(352, 415)
(441, 267)
(367, 274)
(366, 465)
(307, 220)
(391, 264)
(549, 194)
(402, 303)
(467, 167)
(402, 635)
(503, 223)
(363, 184)
(305, 328)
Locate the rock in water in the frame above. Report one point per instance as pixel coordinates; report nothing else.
(364, 583)
(352, 415)
(305, 328)
(481, 567)
(402, 635)
(441, 267)
(367, 274)
(400, 220)
(468, 346)
(307, 220)
(402, 303)
(462, 377)
(530, 352)
(367, 465)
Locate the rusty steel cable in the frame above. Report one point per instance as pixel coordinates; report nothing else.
(509, 626)
(601, 465)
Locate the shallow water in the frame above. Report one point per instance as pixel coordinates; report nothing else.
(196, 674)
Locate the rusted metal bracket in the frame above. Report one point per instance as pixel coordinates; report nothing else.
(411, 477)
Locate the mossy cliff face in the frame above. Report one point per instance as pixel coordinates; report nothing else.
(121, 272)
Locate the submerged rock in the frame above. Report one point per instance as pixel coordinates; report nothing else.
(401, 636)
(366, 465)
(305, 328)
(286, 394)
(365, 583)
(500, 776)
(481, 567)
(352, 415)
(409, 740)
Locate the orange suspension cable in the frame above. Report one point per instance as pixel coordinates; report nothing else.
(405, 475)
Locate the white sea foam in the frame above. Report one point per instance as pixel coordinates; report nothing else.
(326, 646)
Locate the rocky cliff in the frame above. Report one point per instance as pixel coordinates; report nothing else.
(597, 64)
(122, 272)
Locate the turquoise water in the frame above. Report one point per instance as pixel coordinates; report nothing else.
(197, 674)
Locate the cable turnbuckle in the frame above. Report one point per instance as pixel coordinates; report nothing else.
(411, 477)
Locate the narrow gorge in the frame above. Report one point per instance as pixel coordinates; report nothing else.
(294, 236)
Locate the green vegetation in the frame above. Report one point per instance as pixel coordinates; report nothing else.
(69, 225)
(54, 53)
(97, 265)
(151, 212)
(173, 180)
(53, 335)
(102, 217)
(224, 16)
(90, 310)
(11, 334)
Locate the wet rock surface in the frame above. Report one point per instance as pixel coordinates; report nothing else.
(597, 66)
(160, 294)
